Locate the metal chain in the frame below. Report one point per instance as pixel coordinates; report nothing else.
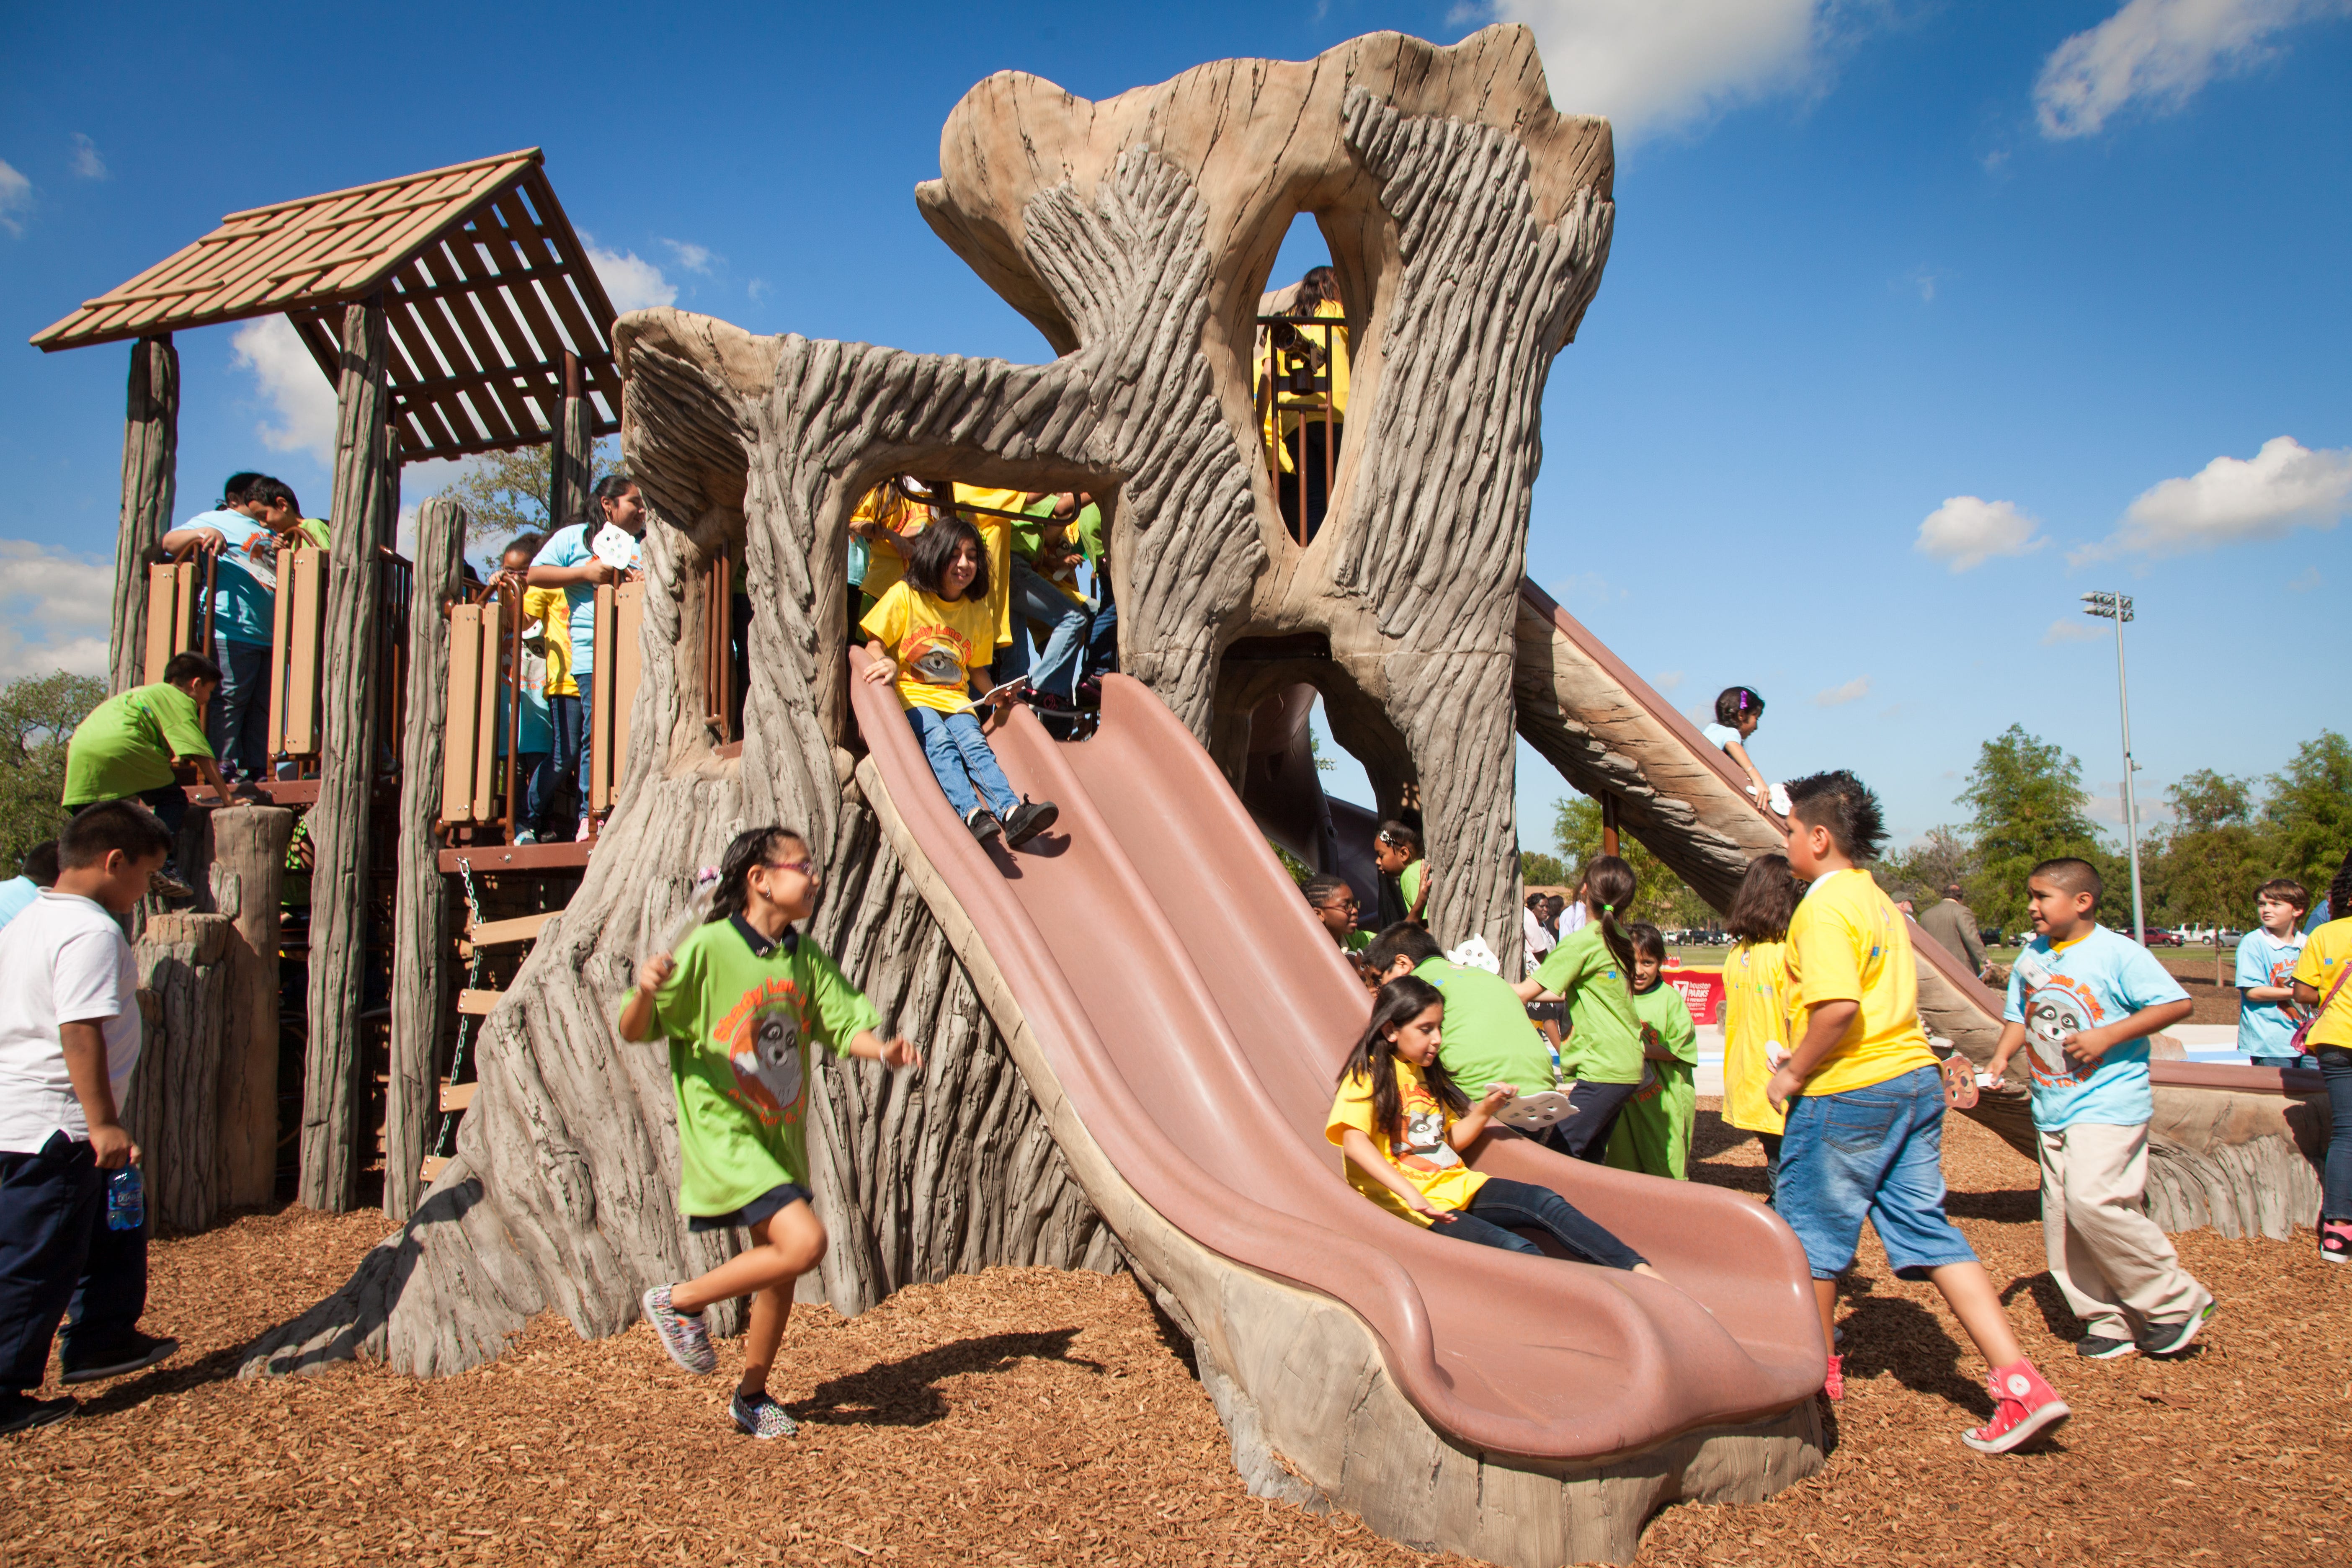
(465, 1021)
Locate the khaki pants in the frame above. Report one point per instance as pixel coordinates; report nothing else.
(2110, 1259)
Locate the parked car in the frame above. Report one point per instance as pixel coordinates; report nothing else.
(2157, 937)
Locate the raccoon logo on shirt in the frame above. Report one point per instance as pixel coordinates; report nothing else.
(935, 656)
(766, 1056)
(2054, 1007)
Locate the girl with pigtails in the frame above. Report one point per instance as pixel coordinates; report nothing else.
(1593, 968)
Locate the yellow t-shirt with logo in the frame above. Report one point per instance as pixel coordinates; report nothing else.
(1846, 944)
(996, 534)
(2325, 952)
(1418, 1148)
(551, 607)
(884, 563)
(1754, 1015)
(936, 642)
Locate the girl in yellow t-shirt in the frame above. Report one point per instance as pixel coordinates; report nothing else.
(1757, 1003)
(933, 634)
(888, 522)
(1401, 1124)
(2322, 986)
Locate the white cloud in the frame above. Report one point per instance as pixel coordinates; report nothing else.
(290, 380)
(1922, 282)
(87, 164)
(2160, 52)
(1666, 679)
(1654, 65)
(1587, 587)
(1853, 691)
(2284, 486)
(2304, 581)
(757, 289)
(15, 195)
(693, 257)
(2072, 628)
(55, 610)
(630, 282)
(1966, 531)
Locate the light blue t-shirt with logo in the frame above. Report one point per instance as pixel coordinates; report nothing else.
(245, 591)
(16, 896)
(569, 546)
(2087, 984)
(2266, 1028)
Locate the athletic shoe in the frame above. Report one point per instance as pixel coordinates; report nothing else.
(681, 1333)
(2024, 1408)
(526, 836)
(1030, 818)
(22, 1412)
(2098, 1347)
(2335, 1240)
(163, 884)
(2171, 1339)
(135, 1353)
(761, 1416)
(1834, 1385)
(983, 823)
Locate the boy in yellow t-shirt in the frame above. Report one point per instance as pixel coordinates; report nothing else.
(1864, 1103)
(2322, 985)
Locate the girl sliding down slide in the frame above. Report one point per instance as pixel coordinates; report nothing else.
(1402, 1123)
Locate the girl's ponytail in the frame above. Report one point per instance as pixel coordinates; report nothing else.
(750, 848)
(1400, 1002)
(1610, 885)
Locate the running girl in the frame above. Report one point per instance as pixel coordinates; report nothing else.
(739, 1002)
(1593, 969)
(933, 633)
(1402, 1123)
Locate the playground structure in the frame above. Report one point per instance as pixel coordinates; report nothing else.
(1132, 1027)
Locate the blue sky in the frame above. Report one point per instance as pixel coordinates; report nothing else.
(1921, 319)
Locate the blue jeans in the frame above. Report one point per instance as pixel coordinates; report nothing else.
(563, 776)
(238, 724)
(2336, 1197)
(962, 762)
(1500, 1207)
(1056, 672)
(1585, 1135)
(1874, 1152)
(58, 1259)
(537, 771)
(1102, 643)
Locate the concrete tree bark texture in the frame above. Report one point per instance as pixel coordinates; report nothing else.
(365, 499)
(151, 456)
(1469, 224)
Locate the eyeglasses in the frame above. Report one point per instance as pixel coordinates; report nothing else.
(1349, 903)
(807, 867)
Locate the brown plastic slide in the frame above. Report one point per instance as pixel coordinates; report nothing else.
(1190, 1015)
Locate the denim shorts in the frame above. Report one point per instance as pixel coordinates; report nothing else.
(758, 1212)
(1875, 1153)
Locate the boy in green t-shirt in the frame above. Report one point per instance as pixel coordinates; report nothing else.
(739, 1001)
(1488, 1037)
(1653, 1135)
(133, 746)
(1336, 906)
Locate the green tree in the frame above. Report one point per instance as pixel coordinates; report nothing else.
(2206, 865)
(505, 493)
(1660, 897)
(2028, 799)
(2309, 812)
(37, 715)
(1538, 870)
(1942, 856)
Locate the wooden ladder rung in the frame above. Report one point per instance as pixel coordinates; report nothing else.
(433, 1167)
(477, 1004)
(500, 933)
(456, 1095)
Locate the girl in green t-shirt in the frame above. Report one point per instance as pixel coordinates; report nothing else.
(739, 1001)
(1592, 967)
(1653, 1135)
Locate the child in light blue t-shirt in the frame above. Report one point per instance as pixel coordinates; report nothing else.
(2082, 1001)
(1737, 712)
(2265, 978)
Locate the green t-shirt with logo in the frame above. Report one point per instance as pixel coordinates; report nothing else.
(1606, 1047)
(126, 745)
(739, 1011)
(1487, 1038)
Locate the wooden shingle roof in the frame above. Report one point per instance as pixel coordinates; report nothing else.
(484, 282)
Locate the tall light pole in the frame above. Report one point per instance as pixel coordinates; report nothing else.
(2117, 607)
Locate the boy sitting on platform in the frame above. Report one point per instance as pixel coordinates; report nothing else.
(2082, 1003)
(133, 746)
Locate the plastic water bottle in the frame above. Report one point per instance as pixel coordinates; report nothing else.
(126, 1200)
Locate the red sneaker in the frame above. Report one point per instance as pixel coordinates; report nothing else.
(2335, 1240)
(2025, 1407)
(1834, 1385)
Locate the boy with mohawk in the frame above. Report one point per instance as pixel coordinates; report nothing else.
(1865, 1100)
(2082, 1001)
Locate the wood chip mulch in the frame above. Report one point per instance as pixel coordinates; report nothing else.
(1030, 1416)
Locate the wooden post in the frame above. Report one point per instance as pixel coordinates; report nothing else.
(172, 1110)
(421, 970)
(1609, 825)
(247, 885)
(151, 448)
(339, 822)
(567, 489)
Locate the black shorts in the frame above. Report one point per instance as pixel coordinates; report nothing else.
(758, 1212)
